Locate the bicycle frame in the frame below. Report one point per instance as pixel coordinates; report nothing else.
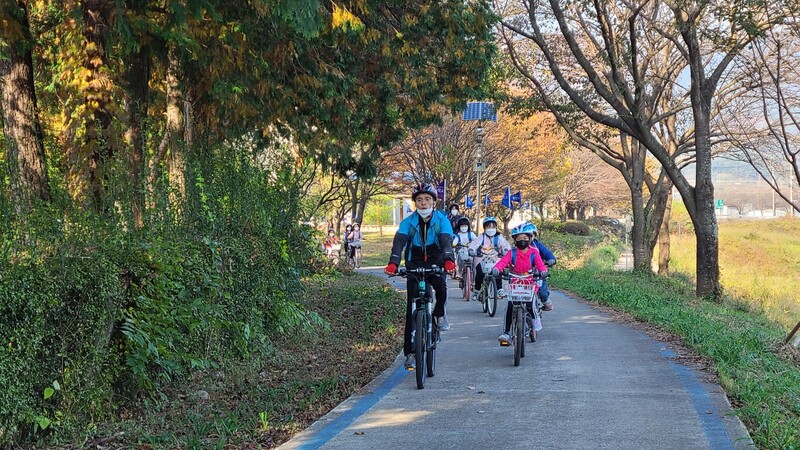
(425, 334)
(522, 293)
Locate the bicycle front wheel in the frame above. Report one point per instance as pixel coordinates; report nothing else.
(491, 300)
(420, 345)
(430, 355)
(519, 336)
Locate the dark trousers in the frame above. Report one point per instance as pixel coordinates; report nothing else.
(439, 284)
(510, 312)
(479, 279)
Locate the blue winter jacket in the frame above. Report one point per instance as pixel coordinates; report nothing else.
(438, 245)
(545, 252)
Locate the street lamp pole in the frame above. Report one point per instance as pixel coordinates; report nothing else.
(478, 170)
(479, 111)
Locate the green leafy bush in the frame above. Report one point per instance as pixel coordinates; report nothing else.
(93, 313)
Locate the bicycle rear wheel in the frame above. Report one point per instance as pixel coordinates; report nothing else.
(483, 297)
(467, 282)
(491, 300)
(420, 344)
(531, 330)
(519, 336)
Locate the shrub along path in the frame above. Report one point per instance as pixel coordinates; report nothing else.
(304, 375)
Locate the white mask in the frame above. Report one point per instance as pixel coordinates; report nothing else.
(425, 212)
(491, 232)
(464, 229)
(454, 211)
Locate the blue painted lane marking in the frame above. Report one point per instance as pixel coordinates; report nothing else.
(710, 418)
(343, 421)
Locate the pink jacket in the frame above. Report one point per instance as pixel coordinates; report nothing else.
(523, 263)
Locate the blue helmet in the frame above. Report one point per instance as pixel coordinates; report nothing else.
(532, 229)
(524, 228)
(489, 219)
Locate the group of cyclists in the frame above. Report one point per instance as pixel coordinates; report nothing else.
(429, 237)
(352, 239)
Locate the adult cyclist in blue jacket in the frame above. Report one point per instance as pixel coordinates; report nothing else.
(426, 237)
(549, 260)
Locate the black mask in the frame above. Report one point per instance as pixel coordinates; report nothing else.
(522, 245)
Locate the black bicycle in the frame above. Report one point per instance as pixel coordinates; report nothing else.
(426, 332)
(523, 296)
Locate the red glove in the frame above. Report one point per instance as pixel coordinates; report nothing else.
(449, 266)
(390, 269)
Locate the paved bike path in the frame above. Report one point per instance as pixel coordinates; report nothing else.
(588, 382)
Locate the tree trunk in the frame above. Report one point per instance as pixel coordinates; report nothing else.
(701, 209)
(664, 238)
(705, 223)
(642, 256)
(96, 18)
(23, 132)
(137, 77)
(171, 146)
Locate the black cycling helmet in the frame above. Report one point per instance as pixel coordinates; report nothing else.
(424, 188)
(463, 221)
(454, 205)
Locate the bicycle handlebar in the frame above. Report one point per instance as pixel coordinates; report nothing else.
(405, 272)
(506, 275)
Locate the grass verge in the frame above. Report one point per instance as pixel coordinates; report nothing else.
(300, 377)
(760, 376)
(759, 263)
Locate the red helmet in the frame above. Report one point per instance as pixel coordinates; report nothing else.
(425, 188)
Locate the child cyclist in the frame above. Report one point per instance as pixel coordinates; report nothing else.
(462, 237)
(526, 259)
(489, 241)
(348, 230)
(331, 243)
(354, 241)
(549, 260)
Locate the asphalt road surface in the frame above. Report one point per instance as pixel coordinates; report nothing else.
(588, 382)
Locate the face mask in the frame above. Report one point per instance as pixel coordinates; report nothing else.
(356, 229)
(464, 229)
(522, 245)
(454, 211)
(331, 234)
(491, 232)
(425, 212)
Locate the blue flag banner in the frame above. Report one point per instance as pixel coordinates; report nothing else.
(486, 200)
(507, 198)
(517, 198)
(469, 203)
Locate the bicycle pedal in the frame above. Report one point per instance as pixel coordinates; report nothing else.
(505, 344)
